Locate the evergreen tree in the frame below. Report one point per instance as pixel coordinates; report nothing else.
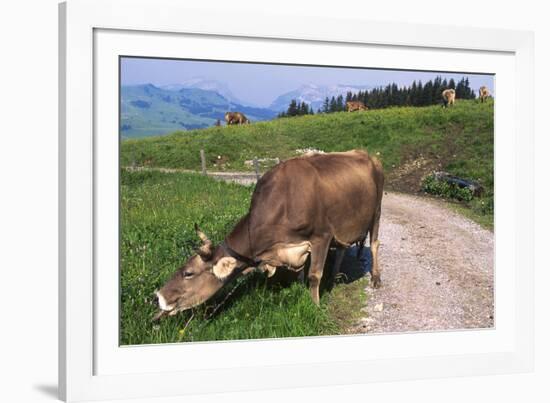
(304, 109)
(460, 89)
(333, 105)
(292, 108)
(427, 94)
(413, 94)
(340, 106)
(326, 106)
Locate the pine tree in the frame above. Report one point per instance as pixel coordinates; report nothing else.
(292, 108)
(413, 94)
(427, 94)
(326, 106)
(333, 105)
(304, 109)
(340, 106)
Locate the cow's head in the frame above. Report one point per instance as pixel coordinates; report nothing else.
(204, 274)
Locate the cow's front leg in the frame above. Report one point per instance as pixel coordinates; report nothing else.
(319, 250)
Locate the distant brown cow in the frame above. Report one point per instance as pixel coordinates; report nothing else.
(484, 93)
(352, 106)
(448, 97)
(236, 118)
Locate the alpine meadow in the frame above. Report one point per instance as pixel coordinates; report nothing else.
(163, 194)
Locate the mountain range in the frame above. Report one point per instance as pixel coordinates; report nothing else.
(204, 84)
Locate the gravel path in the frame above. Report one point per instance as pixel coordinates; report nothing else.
(437, 270)
(242, 178)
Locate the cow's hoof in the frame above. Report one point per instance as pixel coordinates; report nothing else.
(375, 282)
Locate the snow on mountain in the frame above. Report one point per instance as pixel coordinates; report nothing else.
(314, 95)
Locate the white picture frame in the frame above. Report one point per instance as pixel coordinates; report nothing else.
(507, 348)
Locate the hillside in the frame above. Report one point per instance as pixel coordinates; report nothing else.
(410, 141)
(149, 110)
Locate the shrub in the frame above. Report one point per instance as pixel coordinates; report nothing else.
(447, 190)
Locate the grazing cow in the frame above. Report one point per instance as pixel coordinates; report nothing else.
(448, 97)
(236, 118)
(484, 93)
(353, 106)
(299, 209)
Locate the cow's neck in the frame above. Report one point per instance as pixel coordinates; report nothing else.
(239, 239)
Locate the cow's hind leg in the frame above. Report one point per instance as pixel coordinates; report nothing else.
(374, 244)
(335, 269)
(319, 251)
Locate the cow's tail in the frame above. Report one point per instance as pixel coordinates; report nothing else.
(372, 232)
(379, 177)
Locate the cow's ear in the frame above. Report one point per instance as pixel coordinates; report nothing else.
(224, 267)
(206, 249)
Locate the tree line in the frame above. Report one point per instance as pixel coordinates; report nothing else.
(296, 108)
(416, 94)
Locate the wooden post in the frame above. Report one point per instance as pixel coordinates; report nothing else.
(256, 168)
(203, 162)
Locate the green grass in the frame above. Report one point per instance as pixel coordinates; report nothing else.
(485, 220)
(158, 211)
(459, 138)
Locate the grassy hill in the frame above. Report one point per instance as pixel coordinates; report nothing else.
(410, 141)
(149, 110)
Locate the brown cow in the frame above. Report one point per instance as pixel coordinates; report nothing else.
(299, 209)
(353, 106)
(448, 97)
(484, 93)
(236, 118)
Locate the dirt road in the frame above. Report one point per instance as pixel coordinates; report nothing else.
(437, 270)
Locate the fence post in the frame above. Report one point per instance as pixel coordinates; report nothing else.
(256, 168)
(203, 162)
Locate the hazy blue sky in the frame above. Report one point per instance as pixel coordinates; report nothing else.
(260, 84)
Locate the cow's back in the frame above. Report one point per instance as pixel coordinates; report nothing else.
(312, 195)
